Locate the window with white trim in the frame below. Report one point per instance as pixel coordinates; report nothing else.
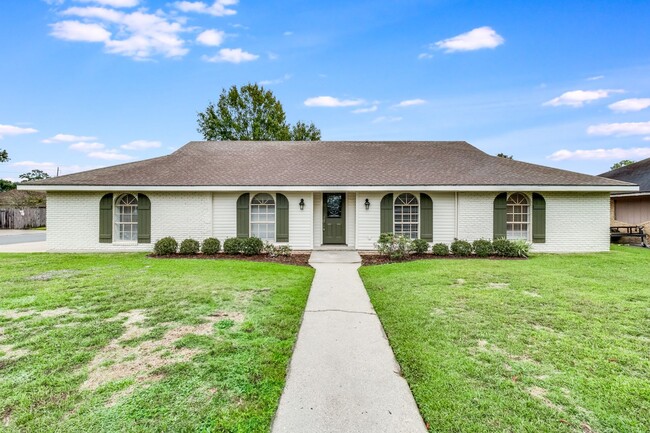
(517, 220)
(263, 217)
(406, 216)
(126, 218)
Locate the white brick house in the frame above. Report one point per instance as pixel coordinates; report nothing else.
(310, 194)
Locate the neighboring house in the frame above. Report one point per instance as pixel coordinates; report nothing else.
(632, 208)
(311, 194)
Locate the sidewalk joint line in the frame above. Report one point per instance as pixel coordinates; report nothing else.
(339, 311)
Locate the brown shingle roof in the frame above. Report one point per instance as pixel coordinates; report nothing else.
(327, 163)
(638, 173)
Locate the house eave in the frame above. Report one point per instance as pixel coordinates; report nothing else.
(342, 188)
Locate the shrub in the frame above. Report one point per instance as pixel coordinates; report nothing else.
(503, 247)
(440, 250)
(520, 248)
(420, 246)
(270, 249)
(211, 246)
(252, 246)
(190, 246)
(482, 247)
(284, 250)
(395, 247)
(461, 248)
(165, 246)
(232, 246)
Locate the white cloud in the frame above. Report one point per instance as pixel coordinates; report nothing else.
(410, 103)
(276, 81)
(620, 129)
(632, 104)
(218, 8)
(385, 119)
(15, 130)
(287, 33)
(141, 145)
(597, 77)
(365, 110)
(231, 55)
(110, 154)
(51, 167)
(211, 38)
(68, 138)
(80, 32)
(578, 98)
(423, 56)
(329, 101)
(84, 146)
(646, 138)
(481, 37)
(613, 154)
(142, 35)
(113, 3)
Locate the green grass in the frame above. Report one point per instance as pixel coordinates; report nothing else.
(224, 372)
(556, 343)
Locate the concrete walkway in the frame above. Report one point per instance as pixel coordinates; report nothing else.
(343, 376)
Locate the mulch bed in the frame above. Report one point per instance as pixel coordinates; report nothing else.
(376, 259)
(299, 259)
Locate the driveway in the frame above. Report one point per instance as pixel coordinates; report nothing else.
(22, 241)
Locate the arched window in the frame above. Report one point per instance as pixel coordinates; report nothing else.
(406, 216)
(126, 218)
(263, 217)
(517, 220)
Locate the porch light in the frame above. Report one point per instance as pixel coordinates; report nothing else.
(367, 203)
(302, 203)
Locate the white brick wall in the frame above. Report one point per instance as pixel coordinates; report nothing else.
(73, 220)
(576, 222)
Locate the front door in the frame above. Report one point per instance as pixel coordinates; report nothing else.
(334, 218)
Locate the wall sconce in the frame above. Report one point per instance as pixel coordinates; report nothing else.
(367, 203)
(302, 203)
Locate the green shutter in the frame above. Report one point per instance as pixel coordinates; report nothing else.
(539, 219)
(500, 209)
(426, 218)
(106, 219)
(281, 218)
(242, 215)
(144, 219)
(386, 215)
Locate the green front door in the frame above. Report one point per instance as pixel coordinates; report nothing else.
(334, 218)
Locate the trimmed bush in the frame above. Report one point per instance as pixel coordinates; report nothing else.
(211, 246)
(232, 246)
(461, 248)
(520, 248)
(189, 247)
(270, 250)
(420, 246)
(165, 246)
(252, 246)
(395, 247)
(482, 247)
(503, 247)
(440, 250)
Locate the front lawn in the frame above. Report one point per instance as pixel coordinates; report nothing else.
(556, 343)
(102, 342)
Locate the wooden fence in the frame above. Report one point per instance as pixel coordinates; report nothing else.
(24, 218)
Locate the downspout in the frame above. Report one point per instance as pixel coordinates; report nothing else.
(456, 215)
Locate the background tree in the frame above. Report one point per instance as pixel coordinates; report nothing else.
(620, 164)
(4, 156)
(503, 155)
(34, 175)
(6, 185)
(251, 113)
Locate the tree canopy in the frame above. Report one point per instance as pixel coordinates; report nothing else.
(251, 113)
(503, 155)
(34, 175)
(4, 156)
(622, 163)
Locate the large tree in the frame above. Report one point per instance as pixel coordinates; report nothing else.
(4, 156)
(622, 163)
(251, 113)
(34, 175)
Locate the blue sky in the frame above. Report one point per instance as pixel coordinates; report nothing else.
(91, 83)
